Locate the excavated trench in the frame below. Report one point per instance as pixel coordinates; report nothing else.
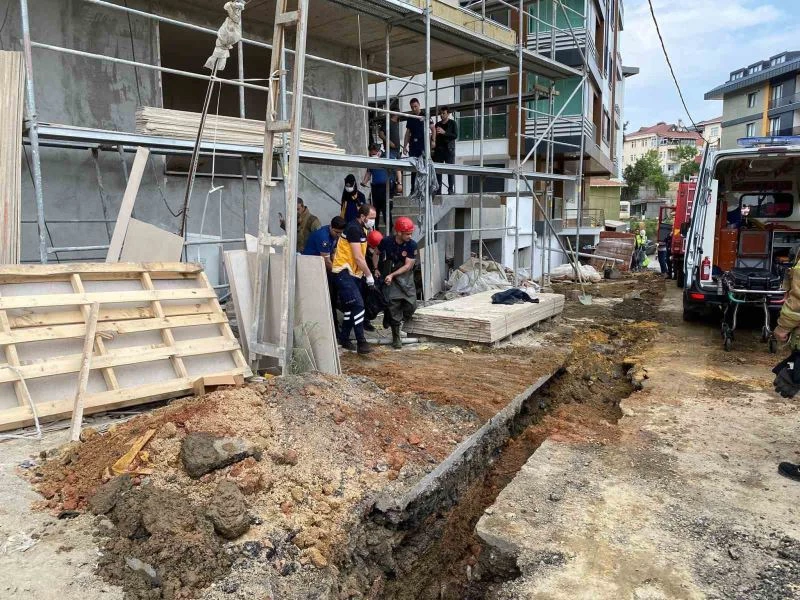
(425, 546)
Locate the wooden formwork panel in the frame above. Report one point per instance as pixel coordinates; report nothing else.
(160, 327)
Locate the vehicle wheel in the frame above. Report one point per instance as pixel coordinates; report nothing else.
(689, 314)
(773, 345)
(727, 344)
(765, 334)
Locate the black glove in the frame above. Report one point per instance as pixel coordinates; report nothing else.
(787, 376)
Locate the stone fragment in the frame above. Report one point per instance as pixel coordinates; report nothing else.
(202, 453)
(317, 558)
(228, 512)
(107, 495)
(88, 433)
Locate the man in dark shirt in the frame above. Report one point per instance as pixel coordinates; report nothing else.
(323, 243)
(444, 149)
(394, 149)
(416, 130)
(395, 261)
(352, 199)
(378, 178)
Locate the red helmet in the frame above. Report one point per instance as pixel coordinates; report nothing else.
(404, 225)
(374, 238)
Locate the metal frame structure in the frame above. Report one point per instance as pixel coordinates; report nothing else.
(394, 13)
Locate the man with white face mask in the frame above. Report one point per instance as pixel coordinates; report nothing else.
(350, 268)
(352, 199)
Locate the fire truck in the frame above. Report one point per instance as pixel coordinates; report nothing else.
(672, 219)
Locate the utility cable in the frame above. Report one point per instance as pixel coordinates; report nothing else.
(671, 70)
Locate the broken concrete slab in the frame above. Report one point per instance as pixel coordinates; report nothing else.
(202, 453)
(228, 511)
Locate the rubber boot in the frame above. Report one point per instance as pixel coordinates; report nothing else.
(397, 343)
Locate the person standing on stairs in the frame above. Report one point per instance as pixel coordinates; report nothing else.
(350, 269)
(352, 199)
(377, 178)
(396, 257)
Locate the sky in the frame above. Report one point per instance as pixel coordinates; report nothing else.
(706, 40)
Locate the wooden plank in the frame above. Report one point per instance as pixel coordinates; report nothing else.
(45, 300)
(64, 317)
(103, 401)
(145, 242)
(125, 356)
(225, 327)
(104, 269)
(166, 334)
(65, 332)
(313, 315)
(108, 374)
(11, 117)
(83, 377)
(126, 208)
(12, 358)
(237, 270)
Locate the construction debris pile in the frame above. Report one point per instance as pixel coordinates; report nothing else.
(290, 464)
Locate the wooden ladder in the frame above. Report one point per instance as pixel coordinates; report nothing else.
(284, 120)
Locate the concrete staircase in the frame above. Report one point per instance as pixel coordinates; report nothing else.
(441, 205)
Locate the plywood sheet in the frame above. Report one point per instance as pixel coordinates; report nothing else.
(12, 108)
(154, 338)
(147, 243)
(474, 318)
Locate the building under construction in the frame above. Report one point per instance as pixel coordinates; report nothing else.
(536, 88)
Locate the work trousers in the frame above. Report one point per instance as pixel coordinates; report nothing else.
(379, 202)
(448, 157)
(665, 263)
(334, 295)
(351, 303)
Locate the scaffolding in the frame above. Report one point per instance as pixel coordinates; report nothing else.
(415, 16)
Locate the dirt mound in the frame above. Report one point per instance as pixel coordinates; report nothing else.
(161, 546)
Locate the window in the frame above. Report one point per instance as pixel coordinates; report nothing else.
(769, 205)
(606, 126)
(491, 185)
(737, 75)
(778, 60)
(775, 126)
(751, 99)
(777, 92)
(750, 130)
(754, 69)
(715, 132)
(495, 118)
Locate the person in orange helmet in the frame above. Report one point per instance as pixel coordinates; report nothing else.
(394, 261)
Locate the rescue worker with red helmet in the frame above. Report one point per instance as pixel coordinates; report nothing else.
(395, 261)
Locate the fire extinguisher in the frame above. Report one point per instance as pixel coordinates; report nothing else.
(705, 269)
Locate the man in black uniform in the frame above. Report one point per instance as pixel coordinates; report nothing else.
(444, 150)
(416, 130)
(395, 262)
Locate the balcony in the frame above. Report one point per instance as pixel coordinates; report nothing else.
(565, 126)
(590, 219)
(784, 101)
(495, 127)
(787, 131)
(564, 40)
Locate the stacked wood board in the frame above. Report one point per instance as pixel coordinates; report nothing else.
(160, 328)
(12, 106)
(469, 19)
(475, 319)
(183, 125)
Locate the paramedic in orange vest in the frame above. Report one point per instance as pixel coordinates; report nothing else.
(349, 268)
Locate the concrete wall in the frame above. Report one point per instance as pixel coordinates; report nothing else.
(734, 108)
(605, 198)
(88, 93)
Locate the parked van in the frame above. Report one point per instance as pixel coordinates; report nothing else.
(744, 231)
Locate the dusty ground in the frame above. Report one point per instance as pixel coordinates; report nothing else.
(683, 501)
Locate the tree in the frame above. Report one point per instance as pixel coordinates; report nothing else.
(645, 171)
(686, 156)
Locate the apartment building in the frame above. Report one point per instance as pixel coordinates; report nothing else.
(666, 138)
(761, 99)
(711, 130)
(592, 108)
